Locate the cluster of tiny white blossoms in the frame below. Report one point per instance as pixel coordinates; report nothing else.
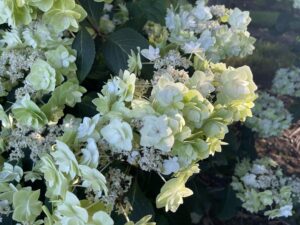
(213, 32)
(263, 188)
(287, 82)
(165, 125)
(270, 117)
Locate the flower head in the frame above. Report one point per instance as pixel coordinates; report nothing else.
(156, 133)
(118, 134)
(42, 76)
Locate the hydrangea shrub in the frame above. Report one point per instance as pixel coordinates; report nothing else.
(270, 117)
(263, 187)
(63, 165)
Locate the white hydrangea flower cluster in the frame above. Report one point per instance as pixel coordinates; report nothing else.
(176, 125)
(262, 187)
(214, 32)
(166, 125)
(270, 117)
(287, 82)
(174, 112)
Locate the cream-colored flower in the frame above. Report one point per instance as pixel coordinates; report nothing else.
(118, 134)
(156, 133)
(41, 76)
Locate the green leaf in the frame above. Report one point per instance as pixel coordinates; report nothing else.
(141, 204)
(93, 9)
(85, 108)
(117, 48)
(153, 10)
(229, 206)
(264, 18)
(85, 47)
(294, 108)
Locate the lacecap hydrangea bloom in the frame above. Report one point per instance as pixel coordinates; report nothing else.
(262, 187)
(270, 117)
(287, 82)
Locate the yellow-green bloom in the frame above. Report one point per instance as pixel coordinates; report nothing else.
(202, 82)
(134, 62)
(156, 133)
(214, 128)
(236, 84)
(236, 89)
(90, 154)
(144, 221)
(26, 205)
(172, 193)
(41, 76)
(69, 93)
(4, 12)
(92, 178)
(118, 134)
(64, 15)
(20, 12)
(5, 120)
(57, 183)
(28, 114)
(43, 5)
(10, 173)
(196, 109)
(70, 212)
(168, 94)
(122, 87)
(62, 59)
(102, 218)
(65, 159)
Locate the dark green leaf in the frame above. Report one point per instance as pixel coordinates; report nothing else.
(141, 204)
(85, 47)
(117, 48)
(154, 10)
(230, 205)
(86, 108)
(295, 109)
(93, 9)
(264, 18)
